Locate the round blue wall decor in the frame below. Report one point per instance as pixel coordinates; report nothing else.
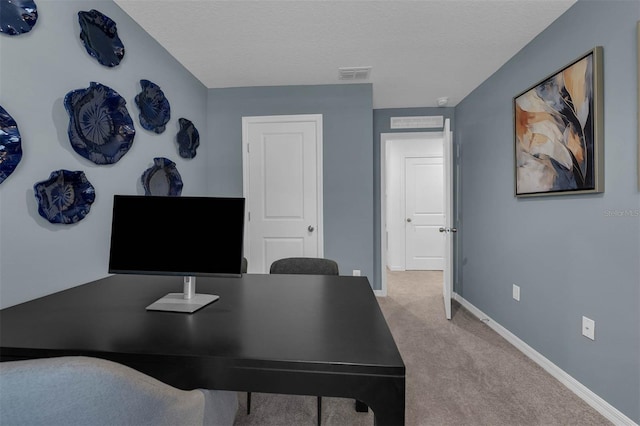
(100, 127)
(10, 145)
(65, 197)
(188, 138)
(155, 111)
(17, 16)
(99, 34)
(162, 178)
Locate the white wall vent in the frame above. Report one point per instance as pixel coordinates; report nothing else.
(418, 122)
(354, 73)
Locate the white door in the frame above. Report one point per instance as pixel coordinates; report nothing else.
(282, 171)
(448, 230)
(424, 204)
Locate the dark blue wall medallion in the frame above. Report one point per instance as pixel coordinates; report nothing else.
(65, 197)
(17, 16)
(10, 145)
(188, 138)
(155, 111)
(100, 127)
(99, 34)
(162, 178)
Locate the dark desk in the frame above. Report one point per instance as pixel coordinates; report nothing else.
(325, 336)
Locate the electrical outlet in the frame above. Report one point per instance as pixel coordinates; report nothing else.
(516, 292)
(356, 272)
(588, 328)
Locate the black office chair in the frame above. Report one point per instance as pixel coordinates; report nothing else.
(302, 265)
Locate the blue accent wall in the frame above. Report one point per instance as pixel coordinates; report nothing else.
(347, 156)
(571, 255)
(37, 70)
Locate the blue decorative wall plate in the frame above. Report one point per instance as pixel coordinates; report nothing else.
(100, 127)
(17, 16)
(10, 145)
(65, 198)
(188, 138)
(162, 178)
(154, 107)
(99, 34)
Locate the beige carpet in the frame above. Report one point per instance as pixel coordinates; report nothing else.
(459, 372)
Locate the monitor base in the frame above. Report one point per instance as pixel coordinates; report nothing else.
(175, 302)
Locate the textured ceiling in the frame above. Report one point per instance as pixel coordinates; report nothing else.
(419, 50)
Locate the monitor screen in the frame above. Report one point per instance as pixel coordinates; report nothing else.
(187, 236)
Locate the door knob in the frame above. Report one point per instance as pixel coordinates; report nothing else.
(454, 229)
(310, 228)
(441, 229)
(408, 219)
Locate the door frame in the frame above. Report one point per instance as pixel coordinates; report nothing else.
(317, 118)
(384, 139)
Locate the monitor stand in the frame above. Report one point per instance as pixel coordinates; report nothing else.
(187, 302)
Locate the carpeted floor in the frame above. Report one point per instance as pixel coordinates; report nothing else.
(459, 372)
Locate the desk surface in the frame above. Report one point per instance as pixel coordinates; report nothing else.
(295, 329)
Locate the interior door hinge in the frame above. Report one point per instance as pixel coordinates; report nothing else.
(248, 150)
(249, 216)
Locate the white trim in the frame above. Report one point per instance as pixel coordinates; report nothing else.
(317, 118)
(599, 404)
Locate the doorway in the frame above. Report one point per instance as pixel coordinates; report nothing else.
(419, 156)
(282, 184)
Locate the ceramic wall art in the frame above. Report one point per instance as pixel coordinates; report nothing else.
(100, 127)
(17, 16)
(155, 111)
(188, 138)
(10, 145)
(99, 34)
(65, 197)
(162, 178)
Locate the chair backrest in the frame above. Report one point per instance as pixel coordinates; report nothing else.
(304, 265)
(80, 391)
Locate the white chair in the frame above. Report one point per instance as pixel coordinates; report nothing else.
(81, 391)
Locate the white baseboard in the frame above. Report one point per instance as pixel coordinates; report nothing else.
(599, 404)
(396, 268)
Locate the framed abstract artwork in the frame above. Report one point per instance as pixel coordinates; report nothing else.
(558, 131)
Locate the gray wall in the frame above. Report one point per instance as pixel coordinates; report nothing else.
(570, 255)
(37, 70)
(347, 155)
(382, 124)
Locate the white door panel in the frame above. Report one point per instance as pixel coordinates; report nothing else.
(283, 168)
(283, 186)
(424, 213)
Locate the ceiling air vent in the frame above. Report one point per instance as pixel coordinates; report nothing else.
(354, 73)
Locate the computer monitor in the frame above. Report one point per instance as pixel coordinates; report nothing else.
(180, 236)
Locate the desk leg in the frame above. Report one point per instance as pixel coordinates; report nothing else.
(361, 407)
(386, 402)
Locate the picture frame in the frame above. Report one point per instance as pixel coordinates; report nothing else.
(559, 131)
